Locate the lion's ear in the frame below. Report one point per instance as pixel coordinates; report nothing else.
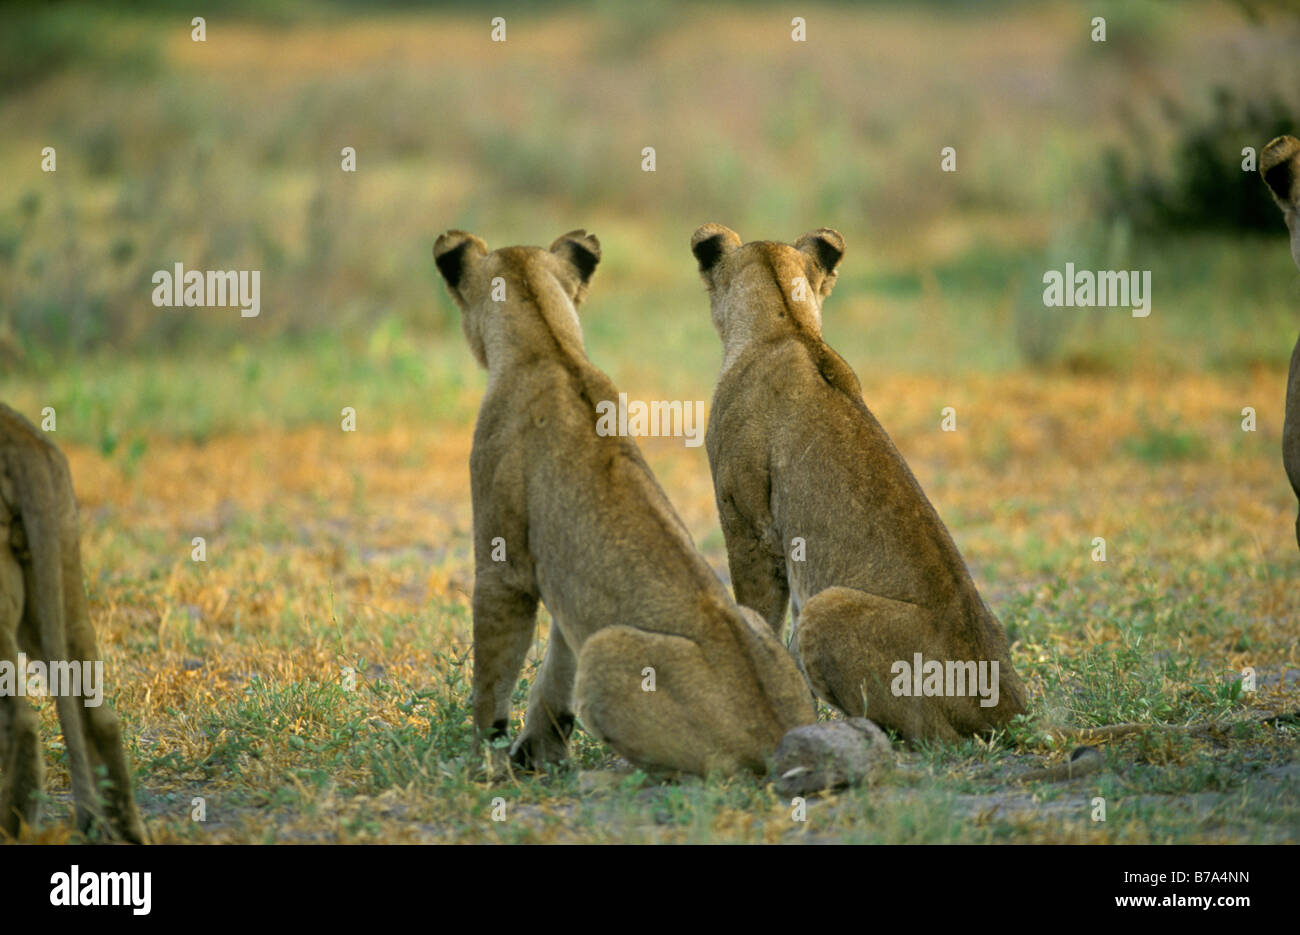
(710, 243)
(581, 251)
(824, 246)
(824, 249)
(454, 253)
(1279, 164)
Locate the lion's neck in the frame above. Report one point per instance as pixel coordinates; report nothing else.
(541, 320)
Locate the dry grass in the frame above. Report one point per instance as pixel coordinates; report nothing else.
(329, 550)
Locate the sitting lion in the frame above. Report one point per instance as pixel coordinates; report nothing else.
(647, 647)
(820, 510)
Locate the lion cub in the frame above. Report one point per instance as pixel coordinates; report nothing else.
(43, 616)
(819, 509)
(1279, 164)
(647, 647)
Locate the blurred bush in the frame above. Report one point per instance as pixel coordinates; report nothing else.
(40, 41)
(1200, 185)
(227, 157)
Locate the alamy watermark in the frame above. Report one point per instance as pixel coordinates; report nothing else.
(79, 887)
(954, 678)
(1107, 287)
(214, 288)
(36, 679)
(659, 417)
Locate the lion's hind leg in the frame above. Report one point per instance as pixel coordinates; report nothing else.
(103, 733)
(849, 642)
(665, 702)
(20, 745)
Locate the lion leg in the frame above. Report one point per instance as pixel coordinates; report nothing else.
(758, 576)
(664, 702)
(21, 765)
(549, 722)
(20, 743)
(104, 733)
(849, 642)
(504, 622)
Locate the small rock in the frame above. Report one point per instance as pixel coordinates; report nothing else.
(1083, 761)
(829, 755)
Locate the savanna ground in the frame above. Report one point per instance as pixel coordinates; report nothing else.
(332, 552)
